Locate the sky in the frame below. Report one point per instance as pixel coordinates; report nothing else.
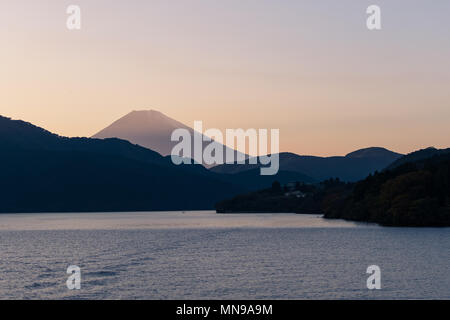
(309, 68)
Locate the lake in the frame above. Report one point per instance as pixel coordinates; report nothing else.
(203, 255)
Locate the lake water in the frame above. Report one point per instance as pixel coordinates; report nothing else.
(202, 255)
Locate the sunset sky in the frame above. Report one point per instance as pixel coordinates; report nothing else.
(310, 68)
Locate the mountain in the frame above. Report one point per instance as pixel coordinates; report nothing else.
(374, 152)
(417, 156)
(148, 128)
(44, 172)
(415, 192)
(352, 167)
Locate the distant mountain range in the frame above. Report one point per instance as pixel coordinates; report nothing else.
(352, 167)
(152, 129)
(44, 172)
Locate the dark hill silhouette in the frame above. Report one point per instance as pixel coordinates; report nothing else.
(353, 167)
(374, 152)
(417, 156)
(415, 192)
(43, 172)
(16, 134)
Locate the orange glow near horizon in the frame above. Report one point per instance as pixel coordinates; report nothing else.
(311, 70)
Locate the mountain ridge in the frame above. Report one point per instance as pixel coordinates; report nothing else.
(418, 155)
(352, 167)
(45, 172)
(414, 192)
